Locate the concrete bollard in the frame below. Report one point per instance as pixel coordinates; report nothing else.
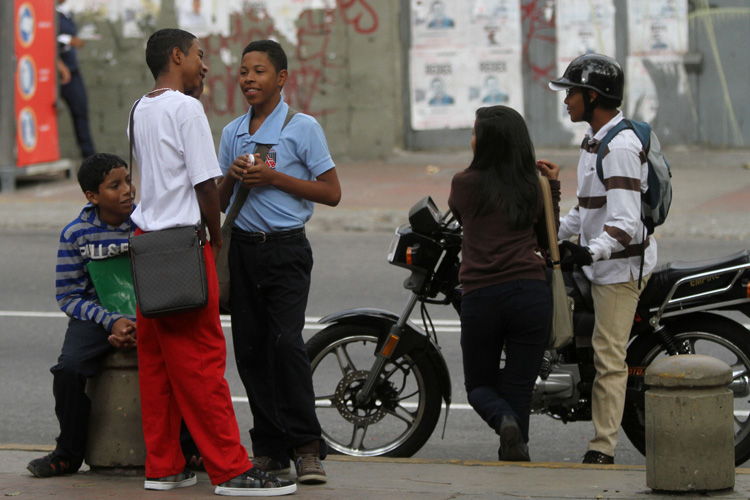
(115, 437)
(689, 424)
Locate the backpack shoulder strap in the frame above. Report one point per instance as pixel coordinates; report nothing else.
(622, 125)
(642, 130)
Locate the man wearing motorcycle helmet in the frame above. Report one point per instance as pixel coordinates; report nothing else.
(612, 239)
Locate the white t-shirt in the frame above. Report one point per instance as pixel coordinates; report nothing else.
(175, 151)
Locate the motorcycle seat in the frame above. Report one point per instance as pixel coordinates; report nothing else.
(664, 277)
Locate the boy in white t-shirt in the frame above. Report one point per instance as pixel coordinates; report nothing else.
(182, 357)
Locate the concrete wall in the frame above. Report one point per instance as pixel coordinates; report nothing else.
(348, 69)
(342, 71)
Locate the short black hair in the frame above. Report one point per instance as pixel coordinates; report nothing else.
(272, 49)
(95, 169)
(159, 48)
(607, 102)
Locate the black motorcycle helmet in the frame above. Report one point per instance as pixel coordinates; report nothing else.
(596, 72)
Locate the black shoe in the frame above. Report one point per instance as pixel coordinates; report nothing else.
(512, 447)
(52, 465)
(256, 483)
(597, 457)
(181, 480)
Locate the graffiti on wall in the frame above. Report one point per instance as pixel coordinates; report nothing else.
(313, 62)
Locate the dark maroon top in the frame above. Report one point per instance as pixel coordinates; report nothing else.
(492, 252)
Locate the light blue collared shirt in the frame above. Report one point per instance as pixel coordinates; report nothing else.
(300, 151)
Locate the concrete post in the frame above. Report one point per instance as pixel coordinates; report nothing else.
(689, 424)
(115, 438)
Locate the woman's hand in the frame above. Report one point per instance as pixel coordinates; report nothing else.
(548, 169)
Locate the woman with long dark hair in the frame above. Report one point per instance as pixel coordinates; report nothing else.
(507, 302)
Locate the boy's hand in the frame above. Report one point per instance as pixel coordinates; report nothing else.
(122, 335)
(241, 165)
(548, 169)
(258, 175)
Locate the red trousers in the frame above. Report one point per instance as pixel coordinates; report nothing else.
(181, 364)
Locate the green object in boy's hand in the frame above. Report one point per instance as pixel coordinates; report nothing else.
(113, 282)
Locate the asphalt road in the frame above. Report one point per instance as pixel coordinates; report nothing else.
(350, 271)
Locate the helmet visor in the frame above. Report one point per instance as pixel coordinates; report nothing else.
(559, 86)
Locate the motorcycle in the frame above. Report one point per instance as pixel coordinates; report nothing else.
(380, 379)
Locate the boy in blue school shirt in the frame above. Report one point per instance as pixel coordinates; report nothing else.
(100, 232)
(270, 260)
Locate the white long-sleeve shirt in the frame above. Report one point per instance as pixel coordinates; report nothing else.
(607, 217)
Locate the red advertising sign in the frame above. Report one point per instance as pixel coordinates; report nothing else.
(36, 50)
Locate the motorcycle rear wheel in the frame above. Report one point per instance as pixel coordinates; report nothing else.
(406, 404)
(707, 334)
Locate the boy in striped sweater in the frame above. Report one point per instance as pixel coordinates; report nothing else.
(100, 231)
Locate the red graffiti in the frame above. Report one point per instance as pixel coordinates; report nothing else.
(363, 18)
(312, 64)
(540, 28)
(221, 95)
(301, 87)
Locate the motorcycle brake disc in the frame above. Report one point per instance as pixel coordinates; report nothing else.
(345, 400)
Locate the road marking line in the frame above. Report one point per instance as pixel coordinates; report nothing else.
(311, 322)
(456, 406)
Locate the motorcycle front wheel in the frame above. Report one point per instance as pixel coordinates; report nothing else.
(710, 335)
(404, 408)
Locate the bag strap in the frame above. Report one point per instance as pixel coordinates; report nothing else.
(549, 216)
(242, 192)
(130, 163)
(130, 171)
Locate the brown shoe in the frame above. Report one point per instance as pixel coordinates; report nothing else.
(597, 457)
(268, 464)
(309, 469)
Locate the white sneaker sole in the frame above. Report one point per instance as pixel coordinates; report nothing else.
(313, 479)
(255, 492)
(162, 485)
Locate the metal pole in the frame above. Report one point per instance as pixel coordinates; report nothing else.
(7, 93)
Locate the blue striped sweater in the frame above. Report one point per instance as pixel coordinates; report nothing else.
(85, 239)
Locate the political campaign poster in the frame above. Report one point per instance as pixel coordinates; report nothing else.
(657, 27)
(449, 86)
(495, 80)
(35, 84)
(495, 24)
(464, 55)
(583, 27)
(438, 83)
(658, 39)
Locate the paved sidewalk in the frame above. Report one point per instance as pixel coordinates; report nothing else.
(381, 479)
(711, 193)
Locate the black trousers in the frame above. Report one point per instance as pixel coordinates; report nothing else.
(74, 95)
(515, 316)
(82, 354)
(270, 283)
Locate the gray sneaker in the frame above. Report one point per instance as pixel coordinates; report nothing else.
(309, 469)
(268, 464)
(256, 483)
(181, 480)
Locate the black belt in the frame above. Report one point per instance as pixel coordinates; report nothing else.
(261, 237)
